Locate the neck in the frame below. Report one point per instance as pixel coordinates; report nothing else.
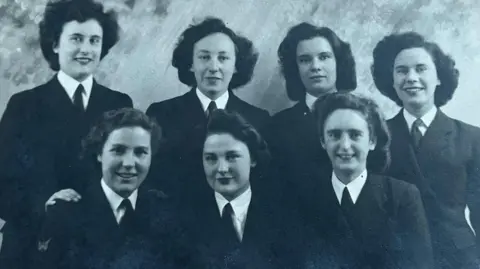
(323, 92)
(213, 95)
(232, 196)
(347, 176)
(420, 111)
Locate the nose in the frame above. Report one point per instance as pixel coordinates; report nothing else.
(222, 166)
(213, 65)
(316, 64)
(128, 160)
(85, 47)
(345, 142)
(412, 76)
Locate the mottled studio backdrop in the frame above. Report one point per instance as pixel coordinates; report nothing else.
(140, 63)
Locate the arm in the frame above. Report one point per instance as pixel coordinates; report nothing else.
(414, 231)
(473, 185)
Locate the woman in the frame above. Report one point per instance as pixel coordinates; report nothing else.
(41, 128)
(438, 154)
(235, 225)
(117, 223)
(315, 62)
(213, 60)
(369, 220)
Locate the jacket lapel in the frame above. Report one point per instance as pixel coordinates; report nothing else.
(436, 139)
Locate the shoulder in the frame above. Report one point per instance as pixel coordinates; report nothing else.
(288, 114)
(250, 112)
(113, 94)
(158, 109)
(400, 190)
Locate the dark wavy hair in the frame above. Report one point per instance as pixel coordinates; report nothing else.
(246, 54)
(110, 121)
(287, 55)
(378, 160)
(58, 13)
(390, 46)
(227, 122)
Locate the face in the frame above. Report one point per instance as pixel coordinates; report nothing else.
(415, 79)
(317, 66)
(79, 48)
(227, 164)
(125, 159)
(347, 141)
(214, 64)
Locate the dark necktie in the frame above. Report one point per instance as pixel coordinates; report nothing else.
(127, 222)
(347, 202)
(416, 134)
(78, 99)
(211, 107)
(227, 221)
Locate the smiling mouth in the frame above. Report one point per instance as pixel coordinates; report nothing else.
(83, 60)
(126, 175)
(317, 77)
(413, 89)
(224, 180)
(345, 157)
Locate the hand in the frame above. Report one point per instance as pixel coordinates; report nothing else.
(68, 195)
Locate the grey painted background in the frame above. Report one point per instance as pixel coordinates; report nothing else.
(140, 63)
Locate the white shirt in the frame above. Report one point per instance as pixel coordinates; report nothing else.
(115, 200)
(310, 100)
(221, 101)
(70, 85)
(240, 209)
(354, 187)
(426, 119)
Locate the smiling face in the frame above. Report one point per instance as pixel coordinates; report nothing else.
(415, 80)
(214, 64)
(317, 66)
(227, 164)
(347, 141)
(79, 48)
(125, 159)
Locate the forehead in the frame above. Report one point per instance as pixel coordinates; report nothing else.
(314, 45)
(216, 42)
(129, 136)
(223, 142)
(413, 56)
(89, 27)
(346, 119)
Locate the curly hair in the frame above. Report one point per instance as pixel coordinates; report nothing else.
(287, 55)
(58, 13)
(246, 54)
(223, 121)
(390, 46)
(378, 160)
(110, 121)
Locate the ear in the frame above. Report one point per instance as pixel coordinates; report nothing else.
(99, 158)
(373, 143)
(322, 142)
(55, 47)
(253, 163)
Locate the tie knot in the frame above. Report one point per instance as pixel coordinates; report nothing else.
(417, 123)
(211, 107)
(80, 89)
(126, 204)
(227, 210)
(346, 198)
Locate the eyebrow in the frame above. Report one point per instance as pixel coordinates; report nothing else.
(320, 53)
(79, 34)
(405, 66)
(207, 51)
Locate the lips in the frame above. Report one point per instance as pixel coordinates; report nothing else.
(224, 180)
(83, 60)
(413, 89)
(317, 77)
(345, 157)
(126, 175)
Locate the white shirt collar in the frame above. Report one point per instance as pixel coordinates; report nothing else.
(354, 187)
(70, 85)
(115, 200)
(239, 204)
(426, 119)
(221, 101)
(310, 100)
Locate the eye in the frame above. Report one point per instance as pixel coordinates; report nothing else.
(76, 38)
(420, 68)
(118, 150)
(324, 56)
(304, 60)
(204, 57)
(141, 152)
(232, 156)
(334, 135)
(223, 58)
(95, 40)
(355, 135)
(210, 158)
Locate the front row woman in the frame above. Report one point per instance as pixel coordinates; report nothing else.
(117, 223)
(368, 220)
